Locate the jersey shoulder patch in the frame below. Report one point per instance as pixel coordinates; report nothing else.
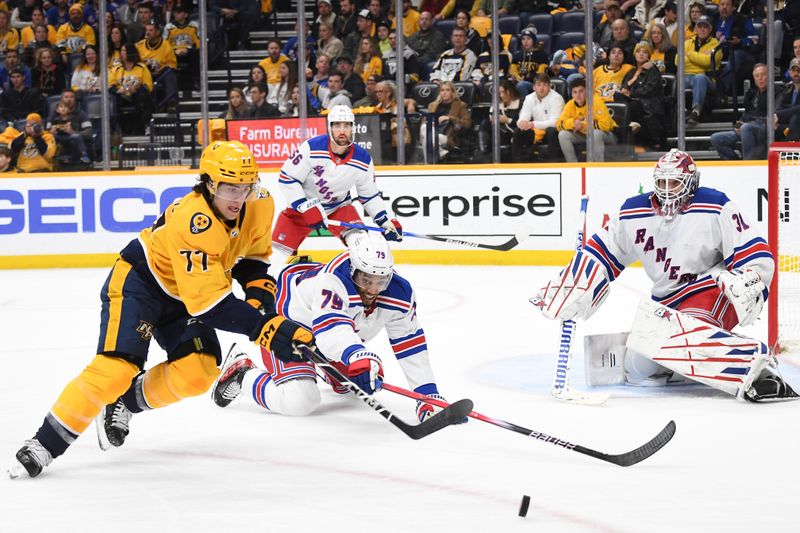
(199, 223)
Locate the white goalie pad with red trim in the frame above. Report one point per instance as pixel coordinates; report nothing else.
(696, 349)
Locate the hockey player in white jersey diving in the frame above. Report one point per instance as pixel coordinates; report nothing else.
(710, 272)
(345, 303)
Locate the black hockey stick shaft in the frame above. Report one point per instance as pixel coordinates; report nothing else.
(624, 459)
(504, 247)
(452, 415)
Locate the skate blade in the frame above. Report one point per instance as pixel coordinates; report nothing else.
(99, 425)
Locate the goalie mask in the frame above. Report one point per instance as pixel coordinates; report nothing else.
(341, 113)
(371, 263)
(675, 179)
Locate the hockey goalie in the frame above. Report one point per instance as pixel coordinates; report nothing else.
(710, 272)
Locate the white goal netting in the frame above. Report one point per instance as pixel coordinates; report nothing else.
(788, 320)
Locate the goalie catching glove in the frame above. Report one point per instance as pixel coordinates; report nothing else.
(577, 292)
(282, 337)
(392, 230)
(745, 290)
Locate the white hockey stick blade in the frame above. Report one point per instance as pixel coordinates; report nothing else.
(580, 397)
(524, 232)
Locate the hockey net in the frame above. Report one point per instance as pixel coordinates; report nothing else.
(784, 240)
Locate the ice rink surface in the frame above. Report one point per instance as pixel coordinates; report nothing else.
(194, 467)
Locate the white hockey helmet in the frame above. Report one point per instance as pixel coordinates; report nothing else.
(675, 179)
(370, 254)
(341, 113)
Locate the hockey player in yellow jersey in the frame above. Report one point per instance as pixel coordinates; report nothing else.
(174, 284)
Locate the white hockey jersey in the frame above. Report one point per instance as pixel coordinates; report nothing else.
(313, 171)
(324, 299)
(681, 256)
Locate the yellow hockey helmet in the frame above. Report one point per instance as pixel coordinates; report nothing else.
(229, 162)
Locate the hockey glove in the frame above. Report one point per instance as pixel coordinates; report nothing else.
(392, 230)
(745, 290)
(313, 213)
(577, 292)
(426, 410)
(282, 337)
(260, 293)
(365, 370)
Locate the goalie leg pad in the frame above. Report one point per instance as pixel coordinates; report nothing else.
(696, 349)
(100, 383)
(172, 381)
(293, 397)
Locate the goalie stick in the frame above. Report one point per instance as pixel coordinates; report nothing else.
(452, 414)
(561, 389)
(623, 459)
(520, 236)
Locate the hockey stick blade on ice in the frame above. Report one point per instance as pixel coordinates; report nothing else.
(449, 416)
(520, 236)
(623, 459)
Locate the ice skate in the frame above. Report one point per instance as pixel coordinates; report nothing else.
(770, 388)
(113, 425)
(229, 384)
(31, 459)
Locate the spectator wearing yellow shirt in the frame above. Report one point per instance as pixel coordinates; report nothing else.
(572, 125)
(132, 84)
(9, 37)
(608, 78)
(183, 35)
(157, 54)
(35, 147)
(698, 65)
(37, 19)
(368, 61)
(410, 18)
(271, 64)
(73, 36)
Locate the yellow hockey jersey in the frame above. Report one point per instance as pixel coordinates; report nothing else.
(190, 251)
(73, 41)
(27, 35)
(156, 57)
(130, 79)
(30, 160)
(272, 68)
(602, 118)
(182, 38)
(9, 40)
(608, 81)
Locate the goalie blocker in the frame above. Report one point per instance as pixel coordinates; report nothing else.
(667, 346)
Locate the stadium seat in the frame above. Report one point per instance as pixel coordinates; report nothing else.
(559, 85)
(513, 44)
(543, 22)
(567, 40)
(424, 93)
(623, 150)
(545, 41)
(446, 27)
(50, 105)
(93, 105)
(712, 10)
(571, 21)
(466, 91)
(509, 24)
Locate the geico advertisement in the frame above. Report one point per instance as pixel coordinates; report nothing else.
(90, 214)
(745, 185)
(460, 203)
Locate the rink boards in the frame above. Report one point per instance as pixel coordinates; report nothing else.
(83, 220)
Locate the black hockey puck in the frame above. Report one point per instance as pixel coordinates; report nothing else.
(523, 506)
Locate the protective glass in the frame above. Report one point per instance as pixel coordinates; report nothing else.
(235, 193)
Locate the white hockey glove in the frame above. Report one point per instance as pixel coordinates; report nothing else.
(745, 290)
(365, 370)
(313, 213)
(577, 292)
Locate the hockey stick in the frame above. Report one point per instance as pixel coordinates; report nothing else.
(561, 389)
(520, 236)
(623, 459)
(454, 413)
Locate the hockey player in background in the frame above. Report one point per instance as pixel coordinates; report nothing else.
(173, 283)
(710, 272)
(346, 302)
(316, 182)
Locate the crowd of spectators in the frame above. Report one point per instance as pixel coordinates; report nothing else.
(448, 43)
(49, 55)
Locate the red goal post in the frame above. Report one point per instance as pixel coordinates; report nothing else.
(784, 241)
